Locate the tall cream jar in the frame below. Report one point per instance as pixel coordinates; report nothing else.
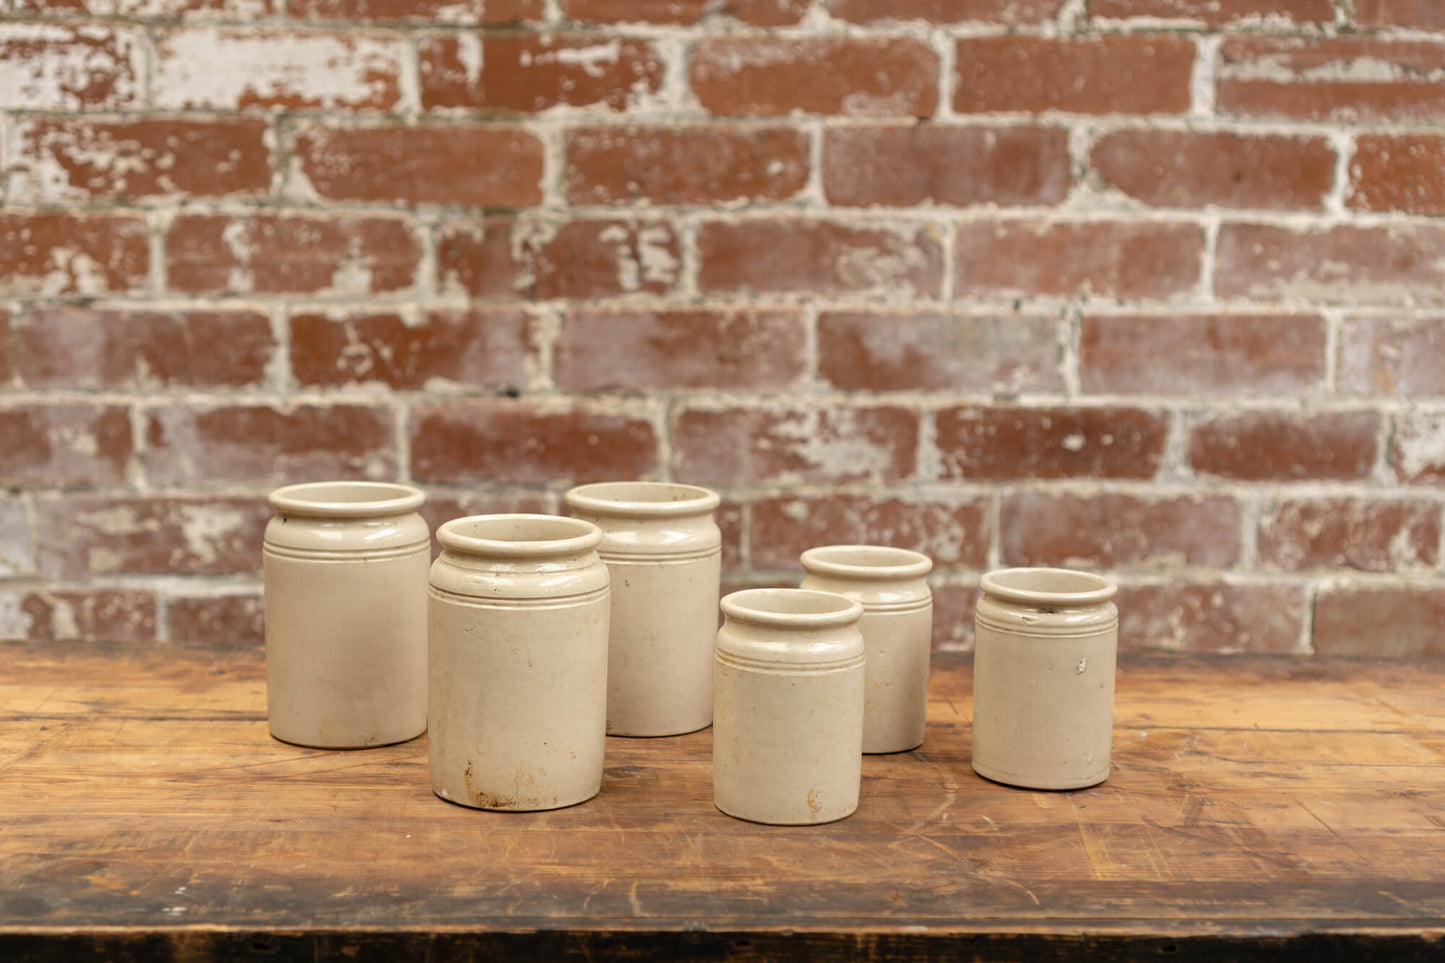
(788, 707)
(1043, 677)
(518, 613)
(344, 565)
(662, 546)
(897, 627)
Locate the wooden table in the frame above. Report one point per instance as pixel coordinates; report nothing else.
(1269, 807)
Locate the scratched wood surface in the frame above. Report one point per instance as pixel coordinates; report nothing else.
(145, 809)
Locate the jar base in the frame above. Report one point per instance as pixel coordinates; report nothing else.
(785, 822)
(1018, 781)
(659, 735)
(347, 746)
(892, 750)
(501, 805)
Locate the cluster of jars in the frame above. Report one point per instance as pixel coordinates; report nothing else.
(533, 637)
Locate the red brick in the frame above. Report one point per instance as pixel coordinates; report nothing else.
(148, 9)
(819, 257)
(475, 259)
(64, 445)
(482, 349)
(7, 367)
(189, 446)
(687, 348)
(1420, 14)
(996, 355)
(1116, 531)
(762, 13)
(141, 535)
(688, 165)
(1336, 78)
(1209, 355)
(1133, 74)
(945, 11)
(56, 254)
(78, 614)
(1001, 443)
(909, 166)
(76, 159)
(1392, 357)
(222, 68)
(591, 259)
(217, 620)
(1303, 534)
(1210, 617)
(1216, 11)
(422, 12)
(498, 441)
(953, 607)
(271, 254)
(1339, 265)
(1191, 169)
(853, 76)
(1379, 622)
(953, 532)
(1286, 446)
(1398, 172)
(89, 348)
(765, 446)
(1417, 447)
(533, 72)
(1102, 259)
(63, 67)
(484, 165)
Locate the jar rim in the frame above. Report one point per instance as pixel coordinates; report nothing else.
(646, 498)
(346, 499)
(519, 535)
(791, 608)
(866, 561)
(1048, 586)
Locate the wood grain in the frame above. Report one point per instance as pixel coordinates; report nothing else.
(1269, 803)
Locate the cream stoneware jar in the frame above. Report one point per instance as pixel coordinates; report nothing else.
(788, 708)
(663, 549)
(518, 626)
(1043, 677)
(897, 627)
(345, 567)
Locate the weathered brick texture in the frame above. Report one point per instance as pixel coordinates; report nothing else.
(1153, 287)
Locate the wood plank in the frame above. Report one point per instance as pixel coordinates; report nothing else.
(139, 792)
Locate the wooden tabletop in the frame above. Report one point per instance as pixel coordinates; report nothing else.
(1268, 806)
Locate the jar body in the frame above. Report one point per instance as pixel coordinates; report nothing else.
(663, 549)
(345, 624)
(788, 719)
(517, 677)
(1043, 683)
(897, 627)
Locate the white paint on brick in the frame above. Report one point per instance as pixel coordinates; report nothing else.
(17, 556)
(15, 622)
(1420, 444)
(48, 66)
(203, 527)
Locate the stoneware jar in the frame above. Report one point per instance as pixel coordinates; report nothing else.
(518, 626)
(788, 710)
(345, 567)
(1043, 677)
(897, 628)
(663, 550)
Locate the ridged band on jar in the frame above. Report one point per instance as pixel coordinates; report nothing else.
(882, 578)
(517, 558)
(321, 520)
(649, 521)
(1047, 602)
(756, 617)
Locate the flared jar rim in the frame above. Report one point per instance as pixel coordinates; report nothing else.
(648, 499)
(866, 561)
(791, 608)
(519, 535)
(346, 499)
(1062, 587)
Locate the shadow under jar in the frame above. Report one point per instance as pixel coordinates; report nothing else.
(1043, 677)
(344, 566)
(663, 550)
(518, 612)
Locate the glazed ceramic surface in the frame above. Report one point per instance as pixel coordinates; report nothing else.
(897, 627)
(1043, 678)
(345, 584)
(788, 707)
(518, 624)
(663, 549)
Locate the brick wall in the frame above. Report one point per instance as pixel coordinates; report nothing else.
(1153, 286)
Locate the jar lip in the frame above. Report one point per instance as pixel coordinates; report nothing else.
(645, 498)
(519, 535)
(866, 561)
(346, 499)
(1048, 586)
(791, 608)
